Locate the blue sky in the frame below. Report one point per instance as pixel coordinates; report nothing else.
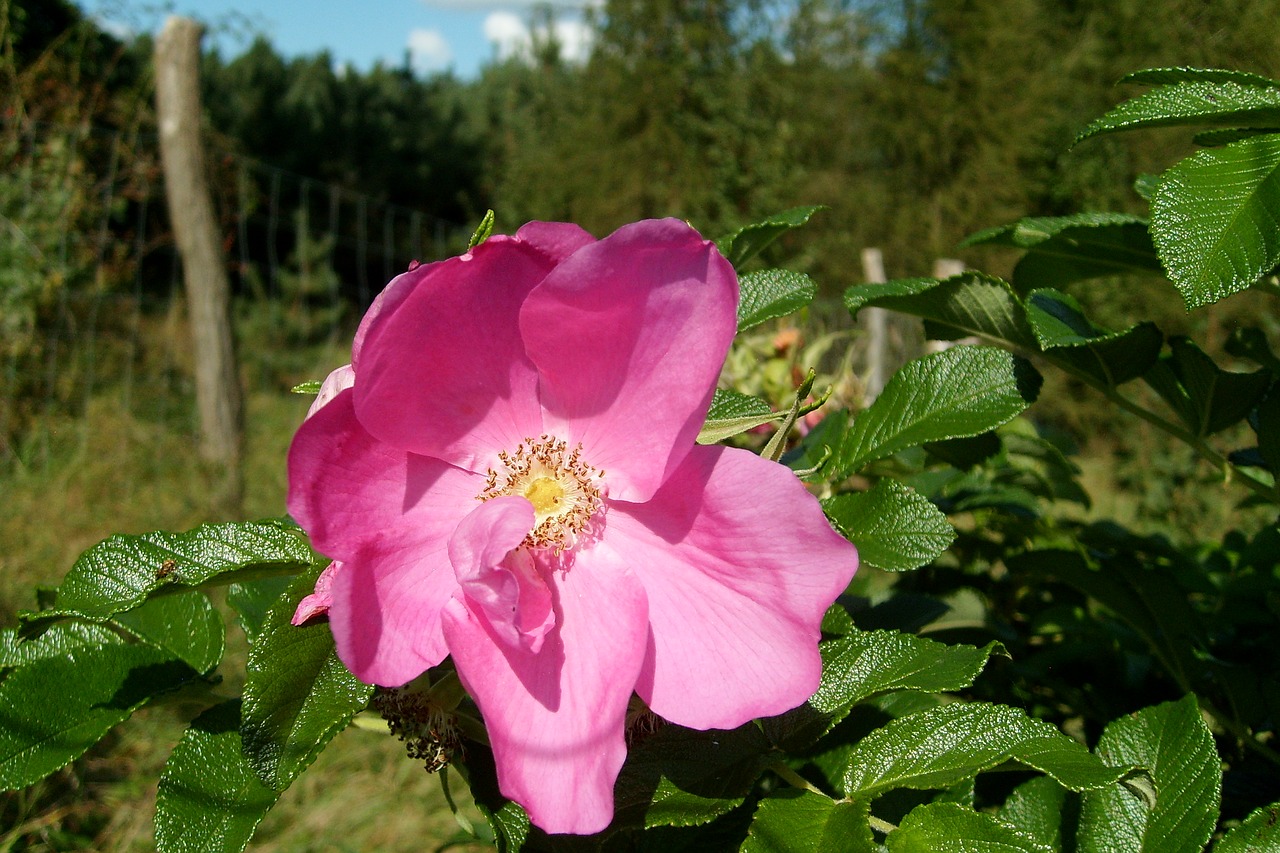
(441, 35)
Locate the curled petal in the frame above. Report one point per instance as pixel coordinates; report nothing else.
(739, 566)
(319, 601)
(556, 717)
(339, 380)
(443, 372)
(499, 581)
(387, 516)
(629, 335)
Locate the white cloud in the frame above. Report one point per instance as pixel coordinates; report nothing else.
(511, 36)
(429, 51)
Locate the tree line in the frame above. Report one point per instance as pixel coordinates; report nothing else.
(915, 121)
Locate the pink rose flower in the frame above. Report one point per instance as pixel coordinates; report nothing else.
(507, 474)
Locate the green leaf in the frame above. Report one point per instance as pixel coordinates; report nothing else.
(1216, 218)
(1111, 358)
(1064, 249)
(1039, 807)
(717, 767)
(950, 827)
(732, 413)
(311, 387)
(770, 294)
(1219, 103)
(747, 242)
(1184, 74)
(58, 639)
(209, 799)
(962, 391)
(1259, 833)
(795, 821)
(120, 572)
(1172, 742)
(671, 806)
(483, 230)
(968, 304)
(937, 748)
(252, 600)
(185, 625)
(864, 663)
(55, 708)
(1206, 398)
(297, 693)
(895, 528)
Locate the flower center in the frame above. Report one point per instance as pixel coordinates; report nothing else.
(564, 490)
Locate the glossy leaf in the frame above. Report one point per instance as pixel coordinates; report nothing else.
(1073, 341)
(670, 806)
(770, 294)
(968, 304)
(58, 639)
(1184, 74)
(732, 413)
(1172, 742)
(1039, 808)
(209, 799)
(252, 600)
(185, 625)
(747, 242)
(1064, 249)
(962, 391)
(54, 709)
(950, 827)
(1221, 103)
(862, 664)
(1216, 218)
(939, 747)
(796, 821)
(119, 573)
(895, 528)
(1258, 833)
(297, 693)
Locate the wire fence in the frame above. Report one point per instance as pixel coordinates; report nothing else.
(91, 300)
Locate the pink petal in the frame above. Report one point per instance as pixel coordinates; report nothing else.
(443, 371)
(342, 378)
(557, 240)
(629, 335)
(739, 565)
(387, 516)
(555, 718)
(499, 582)
(385, 303)
(319, 601)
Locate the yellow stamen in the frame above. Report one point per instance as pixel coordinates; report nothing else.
(564, 490)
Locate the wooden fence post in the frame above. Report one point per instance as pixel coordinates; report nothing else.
(876, 322)
(218, 396)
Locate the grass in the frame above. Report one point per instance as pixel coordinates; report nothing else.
(114, 470)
